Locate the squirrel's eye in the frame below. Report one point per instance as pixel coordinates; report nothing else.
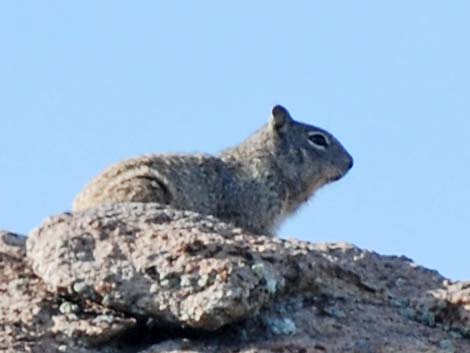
(318, 140)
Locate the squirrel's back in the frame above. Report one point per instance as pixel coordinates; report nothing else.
(184, 181)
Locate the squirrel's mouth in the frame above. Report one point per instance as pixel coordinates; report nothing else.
(341, 173)
(335, 177)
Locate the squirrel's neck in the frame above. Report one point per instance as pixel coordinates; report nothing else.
(255, 161)
(254, 158)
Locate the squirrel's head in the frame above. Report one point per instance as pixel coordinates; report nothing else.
(308, 156)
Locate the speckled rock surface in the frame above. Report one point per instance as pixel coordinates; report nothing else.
(139, 278)
(12, 244)
(177, 267)
(449, 305)
(34, 320)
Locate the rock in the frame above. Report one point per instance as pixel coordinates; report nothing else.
(30, 319)
(449, 305)
(366, 327)
(12, 244)
(177, 267)
(145, 278)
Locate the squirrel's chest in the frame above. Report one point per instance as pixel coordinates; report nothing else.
(253, 206)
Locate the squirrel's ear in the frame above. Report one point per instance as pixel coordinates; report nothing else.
(280, 117)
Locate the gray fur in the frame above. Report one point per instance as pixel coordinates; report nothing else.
(253, 185)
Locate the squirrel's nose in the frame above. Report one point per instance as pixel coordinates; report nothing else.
(351, 163)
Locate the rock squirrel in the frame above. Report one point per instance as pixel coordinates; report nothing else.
(253, 185)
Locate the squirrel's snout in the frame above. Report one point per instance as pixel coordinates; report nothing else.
(351, 163)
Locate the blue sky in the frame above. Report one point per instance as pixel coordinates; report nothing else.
(85, 84)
